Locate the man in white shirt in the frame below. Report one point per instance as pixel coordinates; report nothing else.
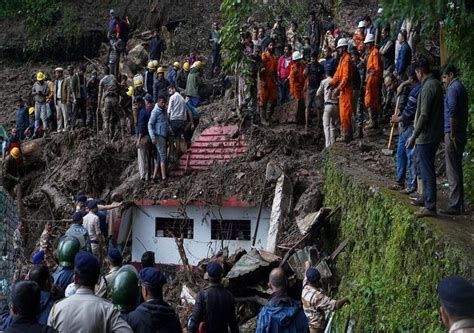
(92, 224)
(178, 114)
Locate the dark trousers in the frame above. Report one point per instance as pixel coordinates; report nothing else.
(453, 154)
(79, 112)
(425, 160)
(284, 91)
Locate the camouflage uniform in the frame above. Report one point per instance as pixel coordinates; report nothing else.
(108, 99)
(18, 255)
(92, 89)
(248, 92)
(47, 247)
(315, 306)
(279, 35)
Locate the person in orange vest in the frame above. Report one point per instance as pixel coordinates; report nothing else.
(373, 81)
(359, 37)
(297, 81)
(268, 82)
(342, 82)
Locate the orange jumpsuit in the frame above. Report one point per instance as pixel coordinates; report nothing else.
(268, 86)
(358, 38)
(342, 80)
(297, 80)
(374, 77)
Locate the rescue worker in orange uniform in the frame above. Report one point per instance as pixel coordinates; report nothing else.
(268, 82)
(297, 81)
(359, 37)
(373, 81)
(342, 82)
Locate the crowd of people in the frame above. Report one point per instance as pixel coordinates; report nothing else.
(340, 78)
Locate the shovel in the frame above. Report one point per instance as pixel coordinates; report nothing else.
(387, 151)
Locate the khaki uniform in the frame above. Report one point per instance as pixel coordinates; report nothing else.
(87, 313)
(315, 306)
(92, 225)
(462, 326)
(106, 283)
(47, 247)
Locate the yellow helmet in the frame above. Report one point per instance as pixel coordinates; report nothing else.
(130, 91)
(151, 65)
(15, 152)
(138, 83)
(176, 64)
(40, 76)
(31, 110)
(160, 70)
(186, 66)
(197, 64)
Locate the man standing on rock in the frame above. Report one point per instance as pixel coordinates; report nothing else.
(373, 81)
(22, 118)
(92, 90)
(108, 102)
(427, 134)
(215, 40)
(115, 50)
(455, 137)
(279, 36)
(342, 82)
(157, 47)
(39, 92)
(143, 140)
(60, 99)
(194, 84)
(268, 83)
(78, 89)
(92, 225)
(315, 32)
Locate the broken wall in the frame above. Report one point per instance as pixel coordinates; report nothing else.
(394, 261)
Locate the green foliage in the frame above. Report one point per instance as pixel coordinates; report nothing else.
(458, 18)
(393, 262)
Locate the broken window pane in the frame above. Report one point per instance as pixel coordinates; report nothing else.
(174, 227)
(231, 229)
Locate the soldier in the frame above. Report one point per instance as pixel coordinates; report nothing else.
(46, 245)
(106, 282)
(92, 89)
(126, 290)
(78, 231)
(83, 311)
(67, 249)
(108, 101)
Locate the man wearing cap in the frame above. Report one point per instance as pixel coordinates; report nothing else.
(11, 170)
(215, 305)
(92, 92)
(279, 36)
(83, 311)
(194, 84)
(173, 72)
(60, 98)
(154, 314)
(281, 313)
(148, 77)
(359, 37)
(138, 92)
(39, 92)
(315, 303)
(106, 282)
(342, 84)
(22, 118)
(92, 225)
(297, 81)
(25, 305)
(78, 231)
(160, 84)
(373, 81)
(182, 77)
(456, 295)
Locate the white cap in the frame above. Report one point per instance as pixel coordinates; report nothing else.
(297, 56)
(112, 11)
(369, 39)
(59, 69)
(341, 42)
(361, 24)
(380, 11)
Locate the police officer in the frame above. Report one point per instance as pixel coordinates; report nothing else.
(106, 282)
(78, 231)
(457, 304)
(126, 290)
(67, 249)
(83, 311)
(154, 312)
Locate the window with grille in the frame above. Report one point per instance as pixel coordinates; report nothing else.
(231, 229)
(171, 227)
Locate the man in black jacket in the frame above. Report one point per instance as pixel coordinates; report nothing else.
(154, 315)
(215, 306)
(26, 304)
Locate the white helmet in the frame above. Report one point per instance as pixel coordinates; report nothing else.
(361, 24)
(342, 42)
(369, 39)
(297, 56)
(380, 11)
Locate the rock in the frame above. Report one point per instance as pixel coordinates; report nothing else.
(310, 201)
(138, 56)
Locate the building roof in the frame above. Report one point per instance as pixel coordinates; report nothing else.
(214, 145)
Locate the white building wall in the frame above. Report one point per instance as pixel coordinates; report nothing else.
(201, 246)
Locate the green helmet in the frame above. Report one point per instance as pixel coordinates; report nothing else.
(125, 291)
(67, 250)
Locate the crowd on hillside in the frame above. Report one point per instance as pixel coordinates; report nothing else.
(337, 78)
